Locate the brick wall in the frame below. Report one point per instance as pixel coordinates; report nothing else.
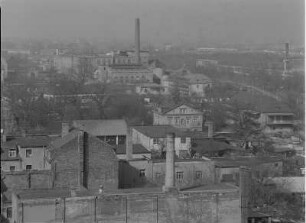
(155, 173)
(147, 208)
(27, 179)
(100, 165)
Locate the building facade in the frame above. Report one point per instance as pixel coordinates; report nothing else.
(27, 153)
(153, 138)
(274, 122)
(79, 160)
(182, 116)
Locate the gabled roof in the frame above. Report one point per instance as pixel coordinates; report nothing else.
(103, 127)
(176, 106)
(137, 149)
(27, 142)
(60, 142)
(159, 131)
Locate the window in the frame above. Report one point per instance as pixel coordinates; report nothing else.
(276, 164)
(155, 141)
(12, 153)
(198, 175)
(183, 139)
(157, 176)
(9, 212)
(28, 152)
(179, 176)
(142, 173)
(12, 168)
(28, 167)
(183, 110)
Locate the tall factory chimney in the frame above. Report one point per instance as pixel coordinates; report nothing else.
(137, 40)
(287, 51)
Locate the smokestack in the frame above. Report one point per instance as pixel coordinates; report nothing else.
(169, 178)
(210, 127)
(287, 50)
(137, 40)
(129, 145)
(84, 156)
(65, 128)
(244, 186)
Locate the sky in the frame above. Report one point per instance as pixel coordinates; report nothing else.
(162, 21)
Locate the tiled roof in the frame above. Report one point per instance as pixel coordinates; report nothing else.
(209, 145)
(137, 149)
(102, 127)
(244, 161)
(159, 131)
(59, 142)
(166, 110)
(30, 141)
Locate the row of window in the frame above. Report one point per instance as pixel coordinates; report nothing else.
(28, 167)
(178, 175)
(156, 140)
(13, 153)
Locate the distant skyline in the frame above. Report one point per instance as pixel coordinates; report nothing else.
(216, 22)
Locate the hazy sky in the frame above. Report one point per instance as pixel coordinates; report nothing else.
(208, 21)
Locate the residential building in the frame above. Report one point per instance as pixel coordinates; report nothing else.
(198, 84)
(180, 116)
(153, 138)
(274, 116)
(25, 153)
(79, 160)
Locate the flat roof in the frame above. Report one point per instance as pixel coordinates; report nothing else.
(243, 161)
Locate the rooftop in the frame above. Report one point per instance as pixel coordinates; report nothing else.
(100, 127)
(137, 149)
(28, 142)
(159, 131)
(243, 161)
(210, 145)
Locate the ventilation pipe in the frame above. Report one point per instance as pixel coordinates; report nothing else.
(169, 176)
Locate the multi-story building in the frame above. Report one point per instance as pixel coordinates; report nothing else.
(129, 74)
(25, 153)
(180, 116)
(198, 84)
(153, 138)
(206, 63)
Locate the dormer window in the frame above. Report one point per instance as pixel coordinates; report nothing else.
(12, 153)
